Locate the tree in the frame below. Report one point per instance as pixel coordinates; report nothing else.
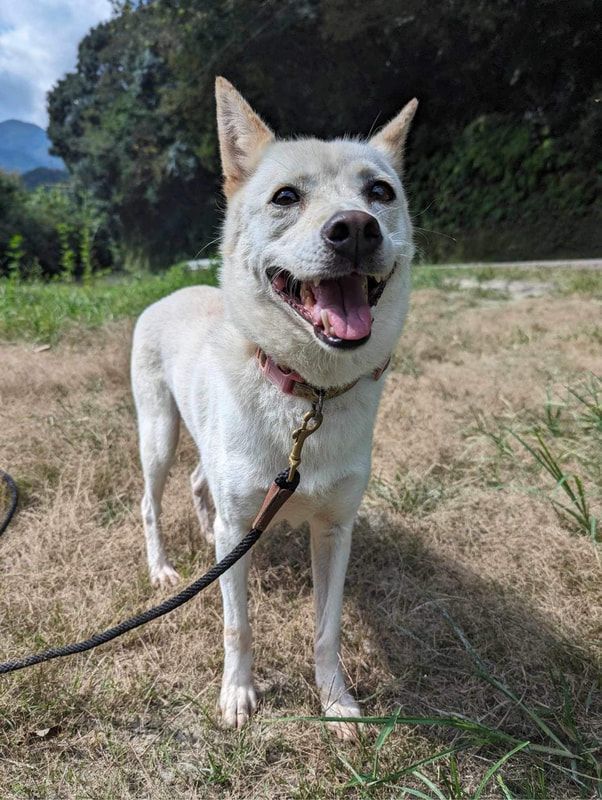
(135, 121)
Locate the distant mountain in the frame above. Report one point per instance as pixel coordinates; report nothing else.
(24, 146)
(42, 176)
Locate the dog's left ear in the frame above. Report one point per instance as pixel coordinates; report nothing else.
(242, 135)
(392, 138)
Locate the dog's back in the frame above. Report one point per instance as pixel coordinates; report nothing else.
(186, 316)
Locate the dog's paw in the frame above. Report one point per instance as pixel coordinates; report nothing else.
(237, 704)
(164, 576)
(346, 731)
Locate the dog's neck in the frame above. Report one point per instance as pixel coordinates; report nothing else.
(313, 366)
(290, 382)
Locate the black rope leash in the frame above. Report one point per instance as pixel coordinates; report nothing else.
(13, 499)
(284, 486)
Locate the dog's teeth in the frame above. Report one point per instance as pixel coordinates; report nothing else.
(307, 297)
(316, 282)
(325, 321)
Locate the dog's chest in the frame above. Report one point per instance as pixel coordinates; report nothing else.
(260, 437)
(243, 426)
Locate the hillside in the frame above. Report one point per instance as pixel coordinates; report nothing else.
(42, 176)
(24, 147)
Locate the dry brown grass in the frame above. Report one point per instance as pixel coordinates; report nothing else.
(445, 525)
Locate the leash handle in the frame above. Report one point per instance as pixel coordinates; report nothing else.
(278, 493)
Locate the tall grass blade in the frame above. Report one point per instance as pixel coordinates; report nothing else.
(394, 776)
(486, 675)
(428, 782)
(580, 510)
(406, 790)
(386, 731)
(478, 733)
(495, 768)
(359, 780)
(505, 790)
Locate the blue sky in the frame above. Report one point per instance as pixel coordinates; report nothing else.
(38, 45)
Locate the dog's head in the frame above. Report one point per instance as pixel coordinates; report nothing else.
(317, 242)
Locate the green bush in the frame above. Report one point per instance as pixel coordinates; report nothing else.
(499, 176)
(51, 231)
(508, 126)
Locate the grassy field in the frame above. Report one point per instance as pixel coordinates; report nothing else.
(472, 613)
(45, 311)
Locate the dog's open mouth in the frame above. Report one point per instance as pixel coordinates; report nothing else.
(337, 308)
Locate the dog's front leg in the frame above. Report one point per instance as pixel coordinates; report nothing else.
(237, 698)
(330, 545)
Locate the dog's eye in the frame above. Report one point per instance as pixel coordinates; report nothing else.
(287, 196)
(380, 191)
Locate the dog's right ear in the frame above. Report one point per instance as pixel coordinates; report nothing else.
(392, 138)
(242, 135)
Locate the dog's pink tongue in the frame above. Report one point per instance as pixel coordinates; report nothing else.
(345, 302)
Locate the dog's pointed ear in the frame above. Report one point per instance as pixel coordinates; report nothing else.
(392, 138)
(242, 135)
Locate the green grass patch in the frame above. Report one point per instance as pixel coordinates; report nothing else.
(564, 280)
(563, 441)
(44, 311)
(411, 494)
(555, 744)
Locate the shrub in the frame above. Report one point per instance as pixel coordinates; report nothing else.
(51, 231)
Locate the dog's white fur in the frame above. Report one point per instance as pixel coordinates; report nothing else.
(193, 359)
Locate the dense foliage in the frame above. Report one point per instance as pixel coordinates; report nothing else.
(504, 144)
(42, 176)
(50, 231)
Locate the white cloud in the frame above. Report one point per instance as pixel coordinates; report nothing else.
(38, 45)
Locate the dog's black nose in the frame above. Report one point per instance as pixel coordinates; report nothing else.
(352, 234)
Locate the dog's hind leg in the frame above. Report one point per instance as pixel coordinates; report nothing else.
(330, 545)
(159, 426)
(203, 503)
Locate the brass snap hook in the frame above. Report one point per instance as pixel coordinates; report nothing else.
(311, 422)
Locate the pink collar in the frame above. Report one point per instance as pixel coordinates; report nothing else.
(291, 382)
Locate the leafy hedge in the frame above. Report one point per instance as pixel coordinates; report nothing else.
(51, 231)
(504, 176)
(504, 158)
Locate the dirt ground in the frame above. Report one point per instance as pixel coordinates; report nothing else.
(448, 530)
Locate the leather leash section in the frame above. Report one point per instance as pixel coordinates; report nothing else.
(278, 493)
(282, 488)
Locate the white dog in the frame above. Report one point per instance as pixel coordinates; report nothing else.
(316, 250)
